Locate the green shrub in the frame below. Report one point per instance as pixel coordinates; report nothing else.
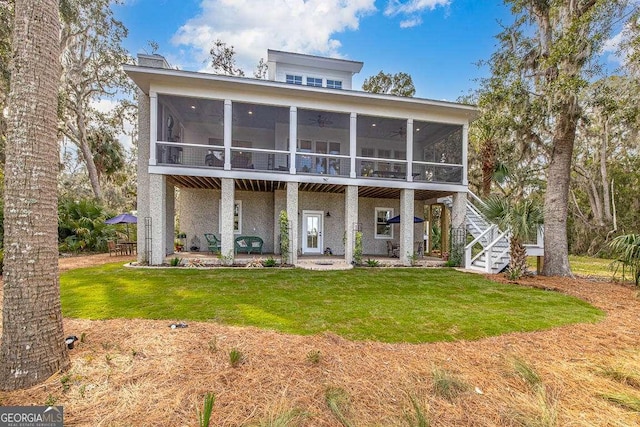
(269, 262)
(236, 357)
(175, 262)
(204, 417)
(357, 250)
(81, 226)
(372, 262)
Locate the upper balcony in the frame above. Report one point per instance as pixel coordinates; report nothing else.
(239, 136)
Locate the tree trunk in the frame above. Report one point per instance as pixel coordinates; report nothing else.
(604, 176)
(32, 336)
(556, 200)
(488, 153)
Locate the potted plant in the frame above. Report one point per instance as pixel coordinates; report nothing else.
(178, 245)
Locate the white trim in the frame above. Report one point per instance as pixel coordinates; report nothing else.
(239, 204)
(375, 223)
(303, 246)
(153, 126)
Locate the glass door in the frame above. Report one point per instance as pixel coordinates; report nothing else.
(312, 232)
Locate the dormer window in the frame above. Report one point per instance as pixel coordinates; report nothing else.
(293, 79)
(314, 81)
(334, 84)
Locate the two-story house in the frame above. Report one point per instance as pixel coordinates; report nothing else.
(338, 161)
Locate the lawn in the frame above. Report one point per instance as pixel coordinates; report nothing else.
(389, 305)
(585, 266)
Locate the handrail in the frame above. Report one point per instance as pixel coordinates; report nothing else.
(418, 162)
(260, 150)
(311, 154)
(476, 198)
(186, 144)
(477, 239)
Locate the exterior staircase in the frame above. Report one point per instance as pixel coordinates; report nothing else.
(489, 250)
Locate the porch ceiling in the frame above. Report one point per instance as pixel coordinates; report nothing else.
(212, 183)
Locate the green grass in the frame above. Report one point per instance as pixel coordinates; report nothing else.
(586, 266)
(389, 305)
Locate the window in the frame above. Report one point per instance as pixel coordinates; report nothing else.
(383, 229)
(237, 217)
(294, 80)
(314, 81)
(334, 84)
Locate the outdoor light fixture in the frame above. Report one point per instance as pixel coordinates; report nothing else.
(328, 214)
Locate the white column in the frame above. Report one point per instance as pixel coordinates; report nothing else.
(227, 196)
(350, 220)
(353, 138)
(292, 213)
(459, 210)
(170, 223)
(410, 150)
(406, 225)
(153, 127)
(465, 154)
(293, 139)
(228, 123)
(143, 197)
(158, 214)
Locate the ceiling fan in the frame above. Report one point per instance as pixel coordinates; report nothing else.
(401, 132)
(321, 121)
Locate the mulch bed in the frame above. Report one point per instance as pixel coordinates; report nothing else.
(142, 372)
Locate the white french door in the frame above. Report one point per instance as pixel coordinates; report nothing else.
(312, 232)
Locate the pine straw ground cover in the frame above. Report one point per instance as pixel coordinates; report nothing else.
(142, 373)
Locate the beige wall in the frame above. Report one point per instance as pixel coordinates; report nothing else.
(198, 214)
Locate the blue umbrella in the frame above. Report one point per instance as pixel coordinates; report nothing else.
(124, 218)
(396, 220)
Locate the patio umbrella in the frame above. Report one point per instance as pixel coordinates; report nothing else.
(124, 218)
(396, 220)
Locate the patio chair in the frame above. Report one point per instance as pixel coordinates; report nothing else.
(393, 251)
(116, 248)
(213, 243)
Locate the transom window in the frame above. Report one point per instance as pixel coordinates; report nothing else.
(334, 84)
(383, 229)
(293, 79)
(314, 81)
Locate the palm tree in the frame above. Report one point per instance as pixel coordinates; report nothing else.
(627, 248)
(33, 346)
(522, 218)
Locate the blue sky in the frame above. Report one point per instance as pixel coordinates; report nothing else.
(438, 42)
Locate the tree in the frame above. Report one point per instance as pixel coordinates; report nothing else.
(606, 140)
(33, 346)
(544, 59)
(6, 24)
(399, 84)
(223, 59)
(523, 219)
(261, 69)
(92, 55)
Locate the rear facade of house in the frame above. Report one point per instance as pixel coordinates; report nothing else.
(227, 155)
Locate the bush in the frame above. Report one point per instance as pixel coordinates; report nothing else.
(81, 226)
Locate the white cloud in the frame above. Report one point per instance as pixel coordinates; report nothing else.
(252, 27)
(411, 10)
(413, 22)
(398, 7)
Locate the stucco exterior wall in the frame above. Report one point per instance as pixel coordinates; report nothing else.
(366, 217)
(199, 213)
(333, 233)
